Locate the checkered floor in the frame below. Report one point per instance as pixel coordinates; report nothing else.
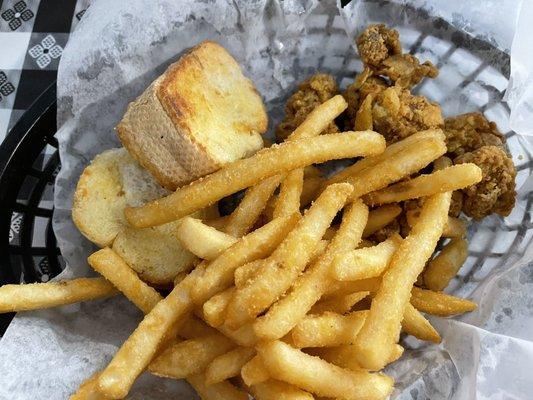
(32, 37)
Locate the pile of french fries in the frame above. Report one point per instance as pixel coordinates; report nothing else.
(281, 304)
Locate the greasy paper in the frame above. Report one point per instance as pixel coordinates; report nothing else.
(119, 47)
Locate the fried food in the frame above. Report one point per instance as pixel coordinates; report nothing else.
(406, 71)
(311, 93)
(377, 43)
(496, 193)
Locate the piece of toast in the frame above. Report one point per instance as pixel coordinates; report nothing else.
(200, 114)
(112, 181)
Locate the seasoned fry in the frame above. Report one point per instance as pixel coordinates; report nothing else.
(339, 304)
(214, 309)
(249, 171)
(320, 377)
(399, 166)
(415, 324)
(446, 264)
(190, 356)
(454, 227)
(246, 272)
(277, 390)
(367, 262)
(221, 390)
(115, 270)
(311, 189)
(228, 365)
(288, 201)
(193, 327)
(380, 218)
(344, 288)
(254, 372)
(243, 336)
(88, 390)
(288, 260)
(218, 223)
(342, 356)
(308, 288)
(328, 329)
(34, 296)
(445, 180)
(258, 244)
(382, 327)
(243, 218)
(416, 140)
(438, 303)
(202, 240)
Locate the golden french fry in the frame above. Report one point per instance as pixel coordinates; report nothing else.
(438, 303)
(363, 117)
(381, 330)
(221, 390)
(416, 325)
(344, 288)
(288, 200)
(190, 356)
(288, 260)
(440, 271)
(342, 356)
(339, 304)
(243, 218)
(254, 372)
(34, 296)
(218, 223)
(228, 365)
(311, 189)
(454, 227)
(246, 272)
(328, 329)
(214, 309)
(308, 288)
(115, 270)
(367, 262)
(203, 240)
(193, 327)
(249, 171)
(416, 140)
(320, 377)
(256, 245)
(243, 336)
(441, 181)
(88, 390)
(277, 390)
(380, 218)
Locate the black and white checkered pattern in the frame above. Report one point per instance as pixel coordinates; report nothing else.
(33, 34)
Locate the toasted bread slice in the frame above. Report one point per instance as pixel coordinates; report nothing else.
(112, 181)
(199, 115)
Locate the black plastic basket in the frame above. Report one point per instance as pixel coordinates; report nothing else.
(29, 162)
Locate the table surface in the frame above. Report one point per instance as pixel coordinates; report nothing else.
(33, 35)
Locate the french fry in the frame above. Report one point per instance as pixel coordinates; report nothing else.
(309, 287)
(218, 223)
(438, 303)
(228, 365)
(221, 390)
(190, 356)
(363, 117)
(256, 245)
(288, 260)
(416, 325)
(344, 288)
(442, 163)
(246, 272)
(34, 296)
(288, 200)
(243, 218)
(328, 329)
(249, 171)
(342, 356)
(320, 377)
(202, 240)
(367, 262)
(254, 372)
(311, 189)
(193, 327)
(243, 336)
(380, 218)
(441, 181)
(381, 330)
(338, 304)
(115, 270)
(88, 390)
(277, 390)
(416, 140)
(454, 227)
(440, 271)
(214, 309)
